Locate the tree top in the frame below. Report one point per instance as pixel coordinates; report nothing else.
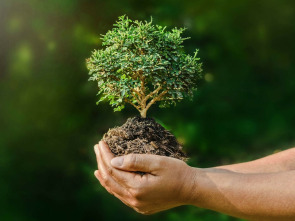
(141, 63)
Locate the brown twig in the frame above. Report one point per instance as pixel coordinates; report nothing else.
(136, 98)
(152, 93)
(156, 99)
(137, 107)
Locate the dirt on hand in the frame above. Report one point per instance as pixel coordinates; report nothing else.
(143, 136)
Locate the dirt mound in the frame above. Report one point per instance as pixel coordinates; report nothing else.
(143, 136)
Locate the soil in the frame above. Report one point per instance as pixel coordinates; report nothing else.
(143, 136)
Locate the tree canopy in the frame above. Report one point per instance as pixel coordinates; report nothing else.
(141, 64)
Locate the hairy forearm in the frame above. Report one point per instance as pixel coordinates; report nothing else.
(269, 196)
(279, 162)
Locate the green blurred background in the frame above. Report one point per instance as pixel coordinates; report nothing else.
(49, 122)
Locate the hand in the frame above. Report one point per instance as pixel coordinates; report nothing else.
(167, 182)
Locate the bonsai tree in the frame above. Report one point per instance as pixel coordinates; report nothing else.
(143, 64)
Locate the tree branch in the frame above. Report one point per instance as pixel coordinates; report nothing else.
(142, 84)
(135, 91)
(152, 93)
(156, 99)
(138, 94)
(128, 101)
(166, 99)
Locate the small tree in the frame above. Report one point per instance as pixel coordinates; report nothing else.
(142, 64)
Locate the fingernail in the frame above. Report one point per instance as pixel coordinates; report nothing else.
(117, 161)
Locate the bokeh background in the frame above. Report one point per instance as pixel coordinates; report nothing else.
(49, 122)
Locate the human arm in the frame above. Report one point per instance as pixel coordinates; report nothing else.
(170, 182)
(260, 196)
(278, 162)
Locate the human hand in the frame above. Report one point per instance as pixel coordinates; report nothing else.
(167, 182)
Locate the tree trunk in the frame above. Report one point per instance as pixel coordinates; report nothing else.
(143, 113)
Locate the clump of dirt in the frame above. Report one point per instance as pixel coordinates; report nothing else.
(143, 136)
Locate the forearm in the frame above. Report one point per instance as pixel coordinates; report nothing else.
(251, 196)
(279, 162)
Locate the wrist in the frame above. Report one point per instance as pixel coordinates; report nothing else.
(201, 188)
(194, 189)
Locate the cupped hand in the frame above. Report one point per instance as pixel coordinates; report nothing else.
(166, 183)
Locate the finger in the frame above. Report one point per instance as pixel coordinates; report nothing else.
(139, 162)
(111, 186)
(107, 154)
(100, 179)
(96, 150)
(116, 190)
(104, 168)
(104, 160)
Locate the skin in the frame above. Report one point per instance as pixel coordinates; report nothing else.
(263, 189)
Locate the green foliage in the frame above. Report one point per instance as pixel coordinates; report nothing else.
(48, 122)
(142, 62)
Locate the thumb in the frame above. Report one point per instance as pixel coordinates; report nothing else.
(138, 162)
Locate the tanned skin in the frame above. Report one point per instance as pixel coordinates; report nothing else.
(263, 189)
